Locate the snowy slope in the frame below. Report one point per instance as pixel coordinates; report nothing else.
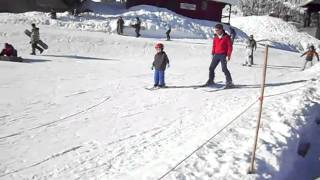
(80, 110)
(275, 30)
(156, 20)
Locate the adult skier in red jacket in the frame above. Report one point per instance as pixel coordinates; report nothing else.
(221, 52)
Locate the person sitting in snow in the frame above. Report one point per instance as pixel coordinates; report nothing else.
(8, 50)
(161, 61)
(309, 56)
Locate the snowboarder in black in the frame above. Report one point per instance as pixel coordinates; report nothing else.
(137, 27)
(120, 24)
(168, 33)
(310, 54)
(161, 61)
(35, 38)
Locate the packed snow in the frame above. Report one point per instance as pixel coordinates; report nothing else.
(80, 110)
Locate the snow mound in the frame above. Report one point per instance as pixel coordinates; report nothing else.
(275, 30)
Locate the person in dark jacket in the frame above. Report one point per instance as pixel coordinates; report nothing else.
(161, 61)
(168, 33)
(221, 52)
(120, 24)
(35, 38)
(53, 14)
(137, 27)
(8, 50)
(309, 56)
(233, 34)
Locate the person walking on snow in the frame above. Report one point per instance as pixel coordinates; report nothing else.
(221, 53)
(137, 27)
(168, 33)
(309, 56)
(161, 61)
(120, 24)
(233, 34)
(35, 38)
(9, 50)
(251, 45)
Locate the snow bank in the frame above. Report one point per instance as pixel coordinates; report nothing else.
(275, 30)
(156, 20)
(91, 117)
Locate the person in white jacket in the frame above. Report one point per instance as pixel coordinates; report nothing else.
(250, 46)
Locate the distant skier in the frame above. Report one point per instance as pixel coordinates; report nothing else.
(309, 56)
(120, 24)
(35, 38)
(168, 33)
(251, 45)
(161, 61)
(9, 50)
(137, 27)
(53, 14)
(233, 34)
(221, 52)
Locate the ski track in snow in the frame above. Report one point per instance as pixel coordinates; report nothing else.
(92, 118)
(56, 122)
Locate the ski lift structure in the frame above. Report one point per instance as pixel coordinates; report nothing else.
(18, 6)
(311, 6)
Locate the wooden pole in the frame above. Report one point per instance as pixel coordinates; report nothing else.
(229, 14)
(252, 169)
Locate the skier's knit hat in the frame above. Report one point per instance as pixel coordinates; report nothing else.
(218, 26)
(159, 45)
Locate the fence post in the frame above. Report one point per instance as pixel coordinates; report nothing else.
(251, 168)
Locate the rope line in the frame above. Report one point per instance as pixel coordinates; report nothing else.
(172, 169)
(227, 125)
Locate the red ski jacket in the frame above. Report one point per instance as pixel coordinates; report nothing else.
(222, 45)
(8, 51)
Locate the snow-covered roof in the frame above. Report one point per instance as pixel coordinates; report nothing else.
(308, 2)
(232, 2)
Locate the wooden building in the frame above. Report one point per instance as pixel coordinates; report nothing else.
(19, 6)
(197, 9)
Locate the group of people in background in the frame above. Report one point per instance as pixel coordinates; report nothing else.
(136, 26)
(10, 51)
(221, 52)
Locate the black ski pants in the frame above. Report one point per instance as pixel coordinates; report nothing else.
(34, 47)
(251, 57)
(216, 59)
